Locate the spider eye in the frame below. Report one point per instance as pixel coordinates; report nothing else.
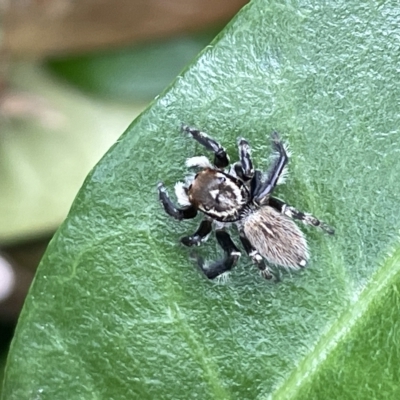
(206, 208)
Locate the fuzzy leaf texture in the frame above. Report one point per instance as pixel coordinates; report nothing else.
(117, 309)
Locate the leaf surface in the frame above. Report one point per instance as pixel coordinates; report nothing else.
(117, 309)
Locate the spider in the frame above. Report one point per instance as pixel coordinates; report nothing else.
(240, 196)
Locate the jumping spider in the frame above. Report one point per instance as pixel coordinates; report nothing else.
(240, 196)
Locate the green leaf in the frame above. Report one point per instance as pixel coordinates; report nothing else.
(138, 72)
(118, 310)
(2, 366)
(48, 144)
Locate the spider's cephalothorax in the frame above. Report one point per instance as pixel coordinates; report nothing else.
(238, 195)
(218, 195)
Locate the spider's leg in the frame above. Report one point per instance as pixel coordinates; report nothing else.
(244, 168)
(292, 212)
(221, 159)
(278, 167)
(171, 209)
(255, 257)
(232, 255)
(200, 235)
(255, 183)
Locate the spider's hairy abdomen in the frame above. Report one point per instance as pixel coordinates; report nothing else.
(276, 238)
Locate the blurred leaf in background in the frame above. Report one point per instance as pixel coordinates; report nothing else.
(117, 309)
(46, 155)
(138, 73)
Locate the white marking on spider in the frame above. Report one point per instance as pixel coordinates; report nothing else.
(236, 191)
(181, 195)
(269, 231)
(303, 263)
(198, 161)
(287, 149)
(288, 211)
(283, 176)
(220, 214)
(214, 193)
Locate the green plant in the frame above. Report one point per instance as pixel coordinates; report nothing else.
(118, 311)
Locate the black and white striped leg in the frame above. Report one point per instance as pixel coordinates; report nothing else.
(255, 183)
(278, 167)
(171, 209)
(255, 257)
(244, 168)
(221, 159)
(200, 235)
(292, 212)
(232, 255)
